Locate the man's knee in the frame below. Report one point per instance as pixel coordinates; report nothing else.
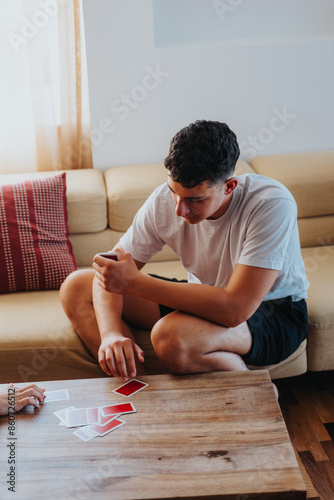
(168, 344)
(77, 288)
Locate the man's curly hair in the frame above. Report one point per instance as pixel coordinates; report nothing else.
(202, 151)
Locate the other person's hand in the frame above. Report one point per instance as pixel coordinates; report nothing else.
(19, 397)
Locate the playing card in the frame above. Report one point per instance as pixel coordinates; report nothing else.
(130, 387)
(93, 415)
(77, 417)
(60, 395)
(61, 414)
(117, 409)
(84, 434)
(102, 430)
(82, 416)
(106, 419)
(103, 421)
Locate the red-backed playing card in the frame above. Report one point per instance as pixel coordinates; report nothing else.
(117, 409)
(107, 418)
(130, 388)
(102, 430)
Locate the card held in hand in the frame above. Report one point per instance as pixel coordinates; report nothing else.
(60, 395)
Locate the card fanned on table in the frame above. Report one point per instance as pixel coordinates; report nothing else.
(99, 421)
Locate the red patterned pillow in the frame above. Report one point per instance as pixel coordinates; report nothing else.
(35, 252)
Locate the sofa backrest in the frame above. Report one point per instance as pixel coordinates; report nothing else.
(101, 205)
(310, 179)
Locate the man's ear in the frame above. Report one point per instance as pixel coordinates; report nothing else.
(230, 185)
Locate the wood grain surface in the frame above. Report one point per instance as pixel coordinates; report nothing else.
(307, 404)
(209, 436)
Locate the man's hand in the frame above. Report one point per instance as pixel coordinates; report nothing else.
(115, 276)
(117, 356)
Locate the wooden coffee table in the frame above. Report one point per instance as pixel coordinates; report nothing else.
(209, 436)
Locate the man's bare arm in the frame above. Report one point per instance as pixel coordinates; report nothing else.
(228, 307)
(117, 353)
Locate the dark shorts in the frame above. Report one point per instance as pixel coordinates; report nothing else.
(278, 327)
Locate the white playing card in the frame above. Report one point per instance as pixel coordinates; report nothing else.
(60, 395)
(82, 416)
(61, 414)
(84, 434)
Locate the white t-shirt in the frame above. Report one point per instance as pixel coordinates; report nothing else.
(258, 229)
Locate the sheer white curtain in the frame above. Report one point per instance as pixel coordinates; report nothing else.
(44, 114)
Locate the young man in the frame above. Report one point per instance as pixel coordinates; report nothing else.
(244, 301)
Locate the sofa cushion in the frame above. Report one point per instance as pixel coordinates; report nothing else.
(37, 341)
(309, 177)
(316, 231)
(35, 252)
(86, 197)
(87, 201)
(295, 364)
(319, 266)
(86, 245)
(127, 189)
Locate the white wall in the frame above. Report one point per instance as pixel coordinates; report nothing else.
(275, 91)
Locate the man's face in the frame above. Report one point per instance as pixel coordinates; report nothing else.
(204, 201)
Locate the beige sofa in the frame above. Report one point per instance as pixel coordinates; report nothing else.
(37, 341)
